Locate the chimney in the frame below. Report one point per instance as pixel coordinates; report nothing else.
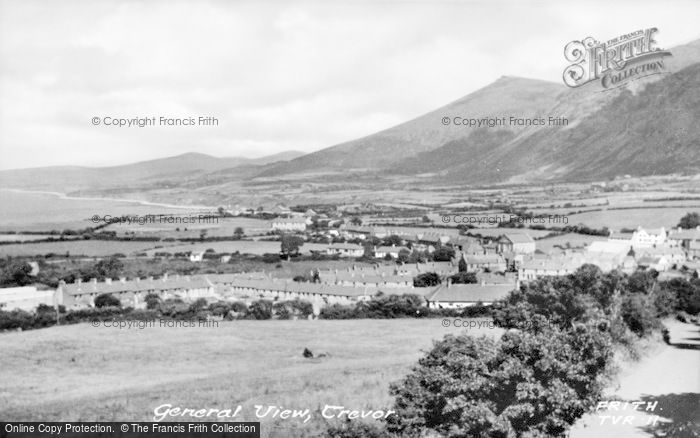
(122, 280)
(165, 276)
(150, 278)
(449, 282)
(108, 281)
(137, 279)
(80, 281)
(93, 280)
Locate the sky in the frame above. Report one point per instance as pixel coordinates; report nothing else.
(277, 75)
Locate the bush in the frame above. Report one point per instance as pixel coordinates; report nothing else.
(292, 309)
(527, 384)
(426, 280)
(357, 429)
(261, 309)
(338, 311)
(637, 311)
(107, 300)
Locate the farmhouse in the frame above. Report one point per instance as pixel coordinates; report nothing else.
(290, 224)
(454, 296)
(519, 243)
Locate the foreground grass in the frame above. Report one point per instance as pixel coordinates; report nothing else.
(82, 373)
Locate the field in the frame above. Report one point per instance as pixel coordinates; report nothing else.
(90, 248)
(79, 372)
(243, 246)
(632, 218)
(573, 240)
(100, 248)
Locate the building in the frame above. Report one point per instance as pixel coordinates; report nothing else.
(642, 238)
(673, 254)
(688, 240)
(381, 252)
(196, 256)
(345, 250)
(26, 298)
(658, 263)
(519, 243)
(492, 262)
(455, 296)
(132, 293)
(550, 267)
(293, 224)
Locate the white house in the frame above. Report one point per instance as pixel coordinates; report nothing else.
(381, 252)
(455, 296)
(345, 250)
(642, 238)
(196, 256)
(290, 224)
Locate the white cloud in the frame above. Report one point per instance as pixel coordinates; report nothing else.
(277, 75)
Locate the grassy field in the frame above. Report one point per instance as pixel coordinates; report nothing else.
(568, 240)
(632, 218)
(90, 248)
(78, 372)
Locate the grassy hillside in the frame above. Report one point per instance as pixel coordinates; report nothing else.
(105, 374)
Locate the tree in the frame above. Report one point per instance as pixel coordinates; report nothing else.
(238, 232)
(462, 265)
(152, 301)
(690, 220)
(261, 309)
(404, 256)
(534, 384)
(426, 280)
(356, 220)
(443, 254)
(464, 278)
(109, 268)
(16, 274)
(290, 244)
(107, 300)
(393, 240)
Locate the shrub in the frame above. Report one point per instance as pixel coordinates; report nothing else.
(527, 384)
(357, 429)
(426, 280)
(291, 309)
(637, 312)
(338, 311)
(107, 300)
(260, 309)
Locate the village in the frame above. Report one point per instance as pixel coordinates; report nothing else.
(448, 268)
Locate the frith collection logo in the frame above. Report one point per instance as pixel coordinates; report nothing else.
(615, 62)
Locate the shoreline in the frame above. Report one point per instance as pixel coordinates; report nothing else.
(64, 196)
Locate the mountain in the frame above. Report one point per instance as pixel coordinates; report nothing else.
(189, 165)
(508, 95)
(644, 128)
